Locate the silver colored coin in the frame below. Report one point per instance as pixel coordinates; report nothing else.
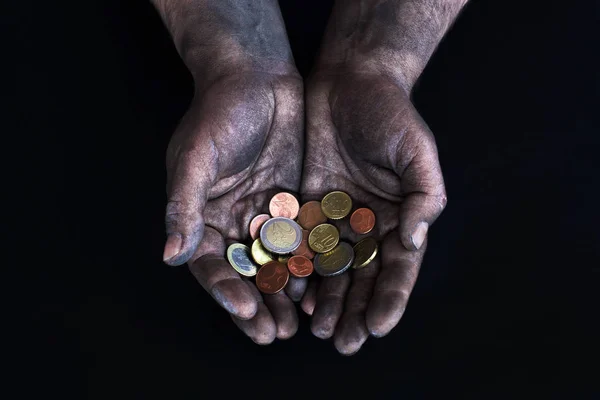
(280, 235)
(241, 260)
(334, 262)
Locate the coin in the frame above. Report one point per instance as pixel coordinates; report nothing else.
(272, 277)
(283, 258)
(239, 258)
(284, 205)
(362, 221)
(256, 223)
(300, 266)
(336, 205)
(280, 235)
(323, 238)
(304, 249)
(311, 215)
(260, 254)
(334, 262)
(364, 251)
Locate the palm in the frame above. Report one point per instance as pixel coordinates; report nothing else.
(240, 142)
(364, 137)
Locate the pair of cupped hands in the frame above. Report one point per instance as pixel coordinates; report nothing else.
(251, 134)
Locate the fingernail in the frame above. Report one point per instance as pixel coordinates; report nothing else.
(172, 247)
(418, 235)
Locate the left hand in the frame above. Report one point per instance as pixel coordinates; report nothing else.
(365, 137)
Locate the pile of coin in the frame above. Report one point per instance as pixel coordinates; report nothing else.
(297, 240)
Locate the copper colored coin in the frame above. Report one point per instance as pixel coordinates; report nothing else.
(362, 221)
(311, 215)
(304, 249)
(300, 266)
(256, 223)
(272, 277)
(284, 205)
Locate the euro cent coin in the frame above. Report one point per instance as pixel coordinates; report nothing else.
(336, 205)
(256, 224)
(239, 257)
(334, 262)
(362, 221)
(272, 277)
(364, 252)
(300, 266)
(284, 205)
(311, 215)
(280, 235)
(260, 254)
(323, 238)
(304, 249)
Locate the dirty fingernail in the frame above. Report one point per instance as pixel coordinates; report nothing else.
(172, 247)
(419, 234)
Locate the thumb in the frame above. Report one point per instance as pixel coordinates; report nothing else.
(190, 181)
(423, 188)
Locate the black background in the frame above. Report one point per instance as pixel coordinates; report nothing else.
(511, 94)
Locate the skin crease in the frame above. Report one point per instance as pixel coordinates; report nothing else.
(240, 142)
(365, 137)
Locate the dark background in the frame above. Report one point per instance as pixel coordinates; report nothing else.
(511, 94)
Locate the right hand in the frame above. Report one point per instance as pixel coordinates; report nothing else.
(240, 142)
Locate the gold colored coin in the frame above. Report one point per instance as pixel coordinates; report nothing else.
(334, 262)
(336, 205)
(239, 258)
(260, 254)
(323, 238)
(283, 258)
(365, 251)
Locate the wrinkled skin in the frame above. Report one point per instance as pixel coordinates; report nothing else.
(365, 137)
(240, 142)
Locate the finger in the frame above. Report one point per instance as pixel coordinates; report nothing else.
(296, 287)
(422, 185)
(284, 313)
(351, 332)
(219, 279)
(329, 305)
(310, 297)
(190, 179)
(261, 328)
(399, 270)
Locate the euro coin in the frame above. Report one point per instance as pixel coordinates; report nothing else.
(362, 221)
(304, 249)
(364, 252)
(323, 238)
(334, 262)
(284, 205)
(256, 224)
(272, 277)
(336, 205)
(260, 254)
(300, 266)
(280, 235)
(311, 215)
(239, 258)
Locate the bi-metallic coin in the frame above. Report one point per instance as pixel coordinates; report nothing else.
(239, 258)
(280, 235)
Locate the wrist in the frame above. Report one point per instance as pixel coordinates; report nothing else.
(228, 37)
(395, 38)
